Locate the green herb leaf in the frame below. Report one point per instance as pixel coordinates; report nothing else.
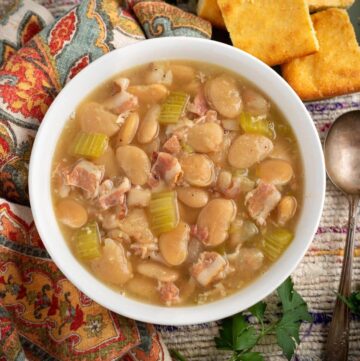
(239, 325)
(177, 356)
(295, 311)
(246, 340)
(225, 341)
(353, 302)
(251, 356)
(258, 310)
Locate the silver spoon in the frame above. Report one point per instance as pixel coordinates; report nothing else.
(342, 158)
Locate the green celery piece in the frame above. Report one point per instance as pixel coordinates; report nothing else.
(90, 145)
(251, 124)
(164, 214)
(88, 241)
(276, 242)
(173, 107)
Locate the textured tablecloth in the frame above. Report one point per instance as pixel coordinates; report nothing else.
(316, 278)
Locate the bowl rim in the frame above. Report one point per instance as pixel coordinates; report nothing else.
(105, 296)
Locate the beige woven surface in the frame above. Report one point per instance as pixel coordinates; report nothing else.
(316, 278)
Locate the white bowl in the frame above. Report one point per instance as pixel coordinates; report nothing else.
(213, 52)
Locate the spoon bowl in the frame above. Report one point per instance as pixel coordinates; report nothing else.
(342, 153)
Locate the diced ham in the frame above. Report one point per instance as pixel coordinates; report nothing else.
(87, 176)
(166, 167)
(112, 193)
(199, 106)
(209, 267)
(180, 129)
(261, 201)
(200, 233)
(169, 293)
(211, 116)
(122, 101)
(172, 145)
(136, 225)
(144, 250)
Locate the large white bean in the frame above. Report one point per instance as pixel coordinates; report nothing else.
(223, 95)
(71, 213)
(108, 160)
(157, 271)
(198, 169)
(193, 197)
(276, 171)
(173, 245)
(248, 149)
(149, 126)
(134, 162)
(95, 119)
(153, 93)
(182, 74)
(206, 137)
(286, 209)
(113, 266)
(144, 287)
(255, 103)
(216, 217)
(128, 130)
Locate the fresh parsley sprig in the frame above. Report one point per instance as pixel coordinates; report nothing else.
(353, 302)
(239, 336)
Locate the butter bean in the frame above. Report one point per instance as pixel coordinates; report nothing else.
(216, 217)
(71, 213)
(193, 197)
(173, 244)
(134, 162)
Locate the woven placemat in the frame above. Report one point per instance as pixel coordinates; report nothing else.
(316, 278)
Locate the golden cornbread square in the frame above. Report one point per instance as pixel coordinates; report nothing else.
(275, 31)
(209, 10)
(315, 5)
(335, 69)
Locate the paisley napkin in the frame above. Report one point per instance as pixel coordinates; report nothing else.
(42, 315)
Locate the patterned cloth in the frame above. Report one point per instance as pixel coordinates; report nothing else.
(42, 315)
(316, 278)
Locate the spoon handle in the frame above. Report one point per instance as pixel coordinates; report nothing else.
(337, 345)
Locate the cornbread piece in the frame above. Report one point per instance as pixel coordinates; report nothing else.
(335, 69)
(274, 31)
(316, 5)
(209, 10)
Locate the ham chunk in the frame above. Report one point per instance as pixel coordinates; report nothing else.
(200, 233)
(199, 106)
(166, 167)
(209, 267)
(112, 193)
(172, 145)
(121, 101)
(87, 176)
(169, 293)
(261, 201)
(136, 225)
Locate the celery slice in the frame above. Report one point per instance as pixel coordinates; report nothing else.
(255, 125)
(164, 214)
(90, 145)
(88, 241)
(276, 242)
(187, 148)
(173, 107)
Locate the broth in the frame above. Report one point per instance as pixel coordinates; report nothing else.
(177, 183)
